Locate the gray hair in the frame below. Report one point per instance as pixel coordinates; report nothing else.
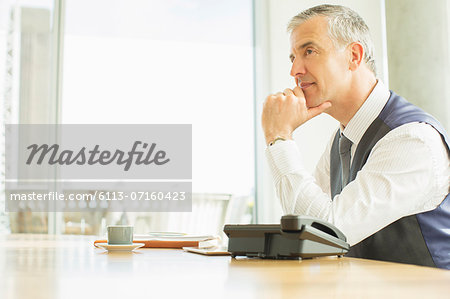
(344, 27)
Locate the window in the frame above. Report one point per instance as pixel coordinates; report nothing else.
(27, 36)
(141, 62)
(167, 62)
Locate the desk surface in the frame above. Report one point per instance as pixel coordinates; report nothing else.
(46, 266)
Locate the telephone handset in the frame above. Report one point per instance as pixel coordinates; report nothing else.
(295, 237)
(292, 223)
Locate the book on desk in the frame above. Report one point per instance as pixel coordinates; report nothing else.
(172, 241)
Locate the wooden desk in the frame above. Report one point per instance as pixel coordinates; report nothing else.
(46, 266)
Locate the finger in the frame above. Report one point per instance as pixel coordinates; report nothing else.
(288, 92)
(269, 98)
(299, 92)
(313, 112)
(279, 94)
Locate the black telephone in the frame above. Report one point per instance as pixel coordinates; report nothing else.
(296, 237)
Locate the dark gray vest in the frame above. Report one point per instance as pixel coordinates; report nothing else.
(421, 239)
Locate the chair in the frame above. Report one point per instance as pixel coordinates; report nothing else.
(207, 217)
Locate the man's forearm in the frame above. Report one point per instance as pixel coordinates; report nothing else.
(296, 188)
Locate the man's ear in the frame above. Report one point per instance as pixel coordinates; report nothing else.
(356, 55)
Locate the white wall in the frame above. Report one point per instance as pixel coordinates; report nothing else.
(418, 50)
(272, 75)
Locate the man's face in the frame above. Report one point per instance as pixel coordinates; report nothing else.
(321, 70)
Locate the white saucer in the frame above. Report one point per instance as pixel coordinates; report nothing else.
(120, 247)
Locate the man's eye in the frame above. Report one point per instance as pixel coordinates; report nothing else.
(309, 52)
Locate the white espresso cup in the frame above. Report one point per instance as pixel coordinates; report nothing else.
(120, 234)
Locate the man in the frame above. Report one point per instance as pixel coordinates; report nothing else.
(384, 177)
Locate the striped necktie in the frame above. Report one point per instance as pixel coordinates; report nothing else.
(344, 152)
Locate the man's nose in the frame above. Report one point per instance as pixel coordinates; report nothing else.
(297, 68)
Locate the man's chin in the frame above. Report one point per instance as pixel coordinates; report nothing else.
(311, 102)
(312, 105)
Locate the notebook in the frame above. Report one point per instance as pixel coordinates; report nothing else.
(172, 241)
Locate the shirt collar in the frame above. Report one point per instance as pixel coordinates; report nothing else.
(367, 113)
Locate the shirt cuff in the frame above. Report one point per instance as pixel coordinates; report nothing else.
(284, 158)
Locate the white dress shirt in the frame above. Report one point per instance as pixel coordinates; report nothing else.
(407, 172)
